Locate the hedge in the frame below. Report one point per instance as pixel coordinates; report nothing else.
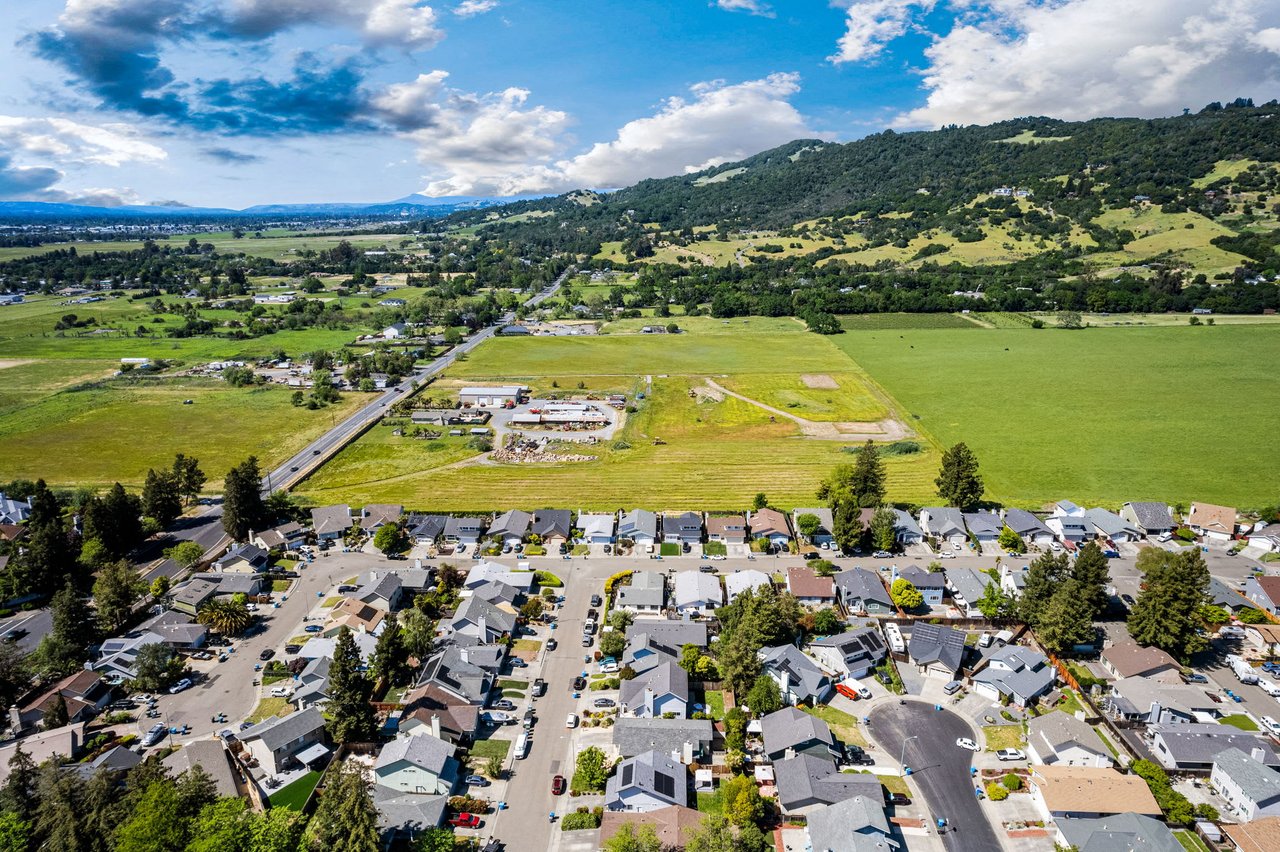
(547, 579)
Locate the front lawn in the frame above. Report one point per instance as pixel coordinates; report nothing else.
(294, 797)
(715, 548)
(1239, 720)
(892, 783)
(281, 586)
(513, 684)
(527, 645)
(482, 750)
(580, 550)
(668, 548)
(844, 726)
(1002, 736)
(269, 707)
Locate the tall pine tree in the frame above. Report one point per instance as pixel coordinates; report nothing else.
(161, 498)
(242, 507)
(958, 481)
(351, 716)
(1167, 612)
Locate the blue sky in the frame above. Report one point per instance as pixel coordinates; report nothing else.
(239, 102)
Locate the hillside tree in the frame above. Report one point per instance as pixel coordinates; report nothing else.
(161, 497)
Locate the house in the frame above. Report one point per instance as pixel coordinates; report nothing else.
(425, 529)
(190, 596)
(417, 763)
(968, 586)
(485, 571)
(1013, 580)
(490, 396)
(684, 528)
(1086, 792)
(13, 511)
(210, 757)
(1111, 526)
(395, 331)
(799, 679)
(852, 654)
(596, 529)
(511, 527)
(481, 620)
(1119, 833)
(1029, 528)
(810, 589)
(1264, 638)
(84, 694)
(244, 559)
(1151, 519)
(807, 783)
(1147, 700)
(742, 579)
(497, 593)
(311, 685)
(380, 589)
(403, 816)
(944, 523)
(1266, 540)
(1129, 659)
(683, 740)
(770, 524)
(66, 741)
(790, 731)
(1264, 592)
(1222, 595)
(1215, 523)
(727, 529)
(1016, 674)
(463, 530)
(1061, 739)
(826, 523)
(673, 825)
(984, 526)
(1194, 747)
(324, 646)
(936, 649)
(929, 584)
(696, 593)
(639, 526)
(514, 331)
(355, 615)
(857, 824)
(662, 689)
(1261, 835)
(647, 782)
(1070, 528)
(279, 742)
(553, 526)
(1251, 788)
(646, 593)
(861, 591)
(331, 522)
(118, 655)
(377, 515)
(284, 537)
(653, 641)
(905, 529)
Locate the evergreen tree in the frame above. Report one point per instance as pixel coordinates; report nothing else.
(867, 480)
(884, 534)
(1091, 575)
(15, 674)
(47, 560)
(56, 818)
(56, 716)
(242, 507)
(764, 697)
(1044, 576)
(18, 796)
(114, 521)
(958, 481)
(1067, 620)
(345, 820)
(190, 477)
(1167, 612)
(161, 498)
(351, 716)
(116, 590)
(67, 645)
(390, 659)
(846, 529)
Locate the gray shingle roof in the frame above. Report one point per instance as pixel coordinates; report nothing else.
(513, 522)
(857, 824)
(1059, 731)
(474, 608)
(667, 678)
(668, 634)
(638, 522)
(1109, 523)
(943, 520)
(806, 678)
(936, 643)
(1119, 833)
(277, 732)
(969, 584)
(695, 587)
(1024, 523)
(636, 736)
(864, 585)
(983, 522)
(426, 526)
(330, 519)
(647, 589)
(421, 750)
(655, 773)
(856, 646)
(805, 777)
(921, 578)
(1257, 781)
(1152, 516)
(904, 524)
(547, 522)
(789, 727)
(1200, 743)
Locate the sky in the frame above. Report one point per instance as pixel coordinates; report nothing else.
(231, 103)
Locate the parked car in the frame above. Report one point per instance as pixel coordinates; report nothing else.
(281, 692)
(571, 721)
(539, 687)
(596, 600)
(185, 683)
(266, 654)
(529, 719)
(946, 554)
(476, 781)
(592, 615)
(882, 554)
(557, 785)
(863, 691)
(589, 627)
(1271, 725)
(579, 683)
(587, 640)
(552, 644)
(810, 556)
(503, 704)
(1010, 754)
(312, 628)
(497, 717)
(154, 735)
(1195, 677)
(953, 687)
(292, 649)
(965, 742)
(897, 799)
(465, 821)
(604, 702)
(517, 663)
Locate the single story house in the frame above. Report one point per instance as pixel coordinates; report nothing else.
(511, 527)
(727, 529)
(485, 571)
(425, 529)
(596, 529)
(1194, 747)
(647, 592)
(905, 529)
(944, 523)
(417, 763)
(1250, 787)
(323, 646)
(404, 816)
(745, 578)
(1120, 832)
(1140, 699)
(1029, 528)
(807, 783)
(968, 586)
(770, 524)
(852, 654)
(647, 782)
(553, 526)
(1015, 673)
(13, 511)
(331, 522)
(696, 593)
(243, 559)
(395, 331)
(810, 589)
(463, 530)
(984, 526)
(481, 620)
(930, 584)
(1085, 792)
(355, 615)
(823, 534)
(43, 745)
(1129, 659)
(790, 731)
(683, 528)
(1111, 526)
(280, 742)
(799, 679)
(1267, 539)
(210, 756)
(662, 689)
(857, 824)
(861, 591)
(1264, 592)
(1060, 739)
(1151, 519)
(673, 825)
(1215, 523)
(683, 740)
(639, 526)
(377, 515)
(938, 650)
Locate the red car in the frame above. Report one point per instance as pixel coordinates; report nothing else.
(557, 785)
(465, 821)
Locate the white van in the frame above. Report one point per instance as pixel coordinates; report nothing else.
(522, 746)
(1270, 687)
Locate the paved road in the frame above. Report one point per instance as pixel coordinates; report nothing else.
(940, 768)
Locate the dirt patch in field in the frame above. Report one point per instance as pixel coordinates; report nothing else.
(819, 380)
(889, 429)
(13, 362)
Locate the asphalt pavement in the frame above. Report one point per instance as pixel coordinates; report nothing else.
(939, 767)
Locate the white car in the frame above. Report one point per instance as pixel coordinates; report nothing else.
(1010, 754)
(281, 692)
(965, 742)
(571, 721)
(1271, 725)
(185, 683)
(946, 554)
(862, 691)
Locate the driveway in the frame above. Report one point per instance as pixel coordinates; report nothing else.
(940, 768)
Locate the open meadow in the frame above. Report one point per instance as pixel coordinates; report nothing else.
(274, 245)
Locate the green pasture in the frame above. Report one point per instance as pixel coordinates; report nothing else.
(884, 322)
(850, 401)
(275, 245)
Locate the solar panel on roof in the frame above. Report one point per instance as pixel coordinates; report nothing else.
(627, 774)
(664, 784)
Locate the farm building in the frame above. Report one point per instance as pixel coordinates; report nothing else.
(497, 395)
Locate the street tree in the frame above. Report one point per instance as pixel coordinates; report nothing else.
(162, 497)
(591, 770)
(884, 533)
(185, 553)
(391, 538)
(958, 481)
(1091, 575)
(116, 590)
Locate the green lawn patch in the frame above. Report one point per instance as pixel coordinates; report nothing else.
(711, 804)
(715, 548)
(1070, 703)
(513, 683)
(1239, 720)
(294, 797)
(546, 579)
(844, 726)
(580, 550)
(1190, 841)
(668, 548)
(527, 645)
(1002, 736)
(715, 704)
(482, 750)
(1106, 741)
(893, 783)
(332, 601)
(280, 586)
(269, 707)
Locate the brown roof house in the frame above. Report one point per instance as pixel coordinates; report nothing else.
(1086, 792)
(1261, 835)
(673, 824)
(809, 588)
(1216, 523)
(730, 529)
(1129, 659)
(1264, 592)
(771, 524)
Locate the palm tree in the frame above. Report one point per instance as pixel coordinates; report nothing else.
(228, 617)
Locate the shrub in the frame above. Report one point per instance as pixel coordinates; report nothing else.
(547, 580)
(996, 792)
(582, 819)
(468, 805)
(615, 580)
(900, 448)
(1012, 781)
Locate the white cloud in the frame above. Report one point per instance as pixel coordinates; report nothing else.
(754, 7)
(495, 144)
(871, 24)
(1078, 59)
(470, 8)
(73, 143)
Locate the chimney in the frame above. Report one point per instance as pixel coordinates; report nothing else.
(648, 699)
(435, 725)
(686, 753)
(417, 564)
(1258, 754)
(480, 625)
(785, 686)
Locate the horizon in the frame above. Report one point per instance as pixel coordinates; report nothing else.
(196, 104)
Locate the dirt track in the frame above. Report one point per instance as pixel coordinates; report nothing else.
(889, 429)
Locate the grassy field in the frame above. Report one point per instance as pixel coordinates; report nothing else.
(114, 431)
(276, 245)
(848, 400)
(1096, 416)
(1183, 236)
(885, 322)
(996, 737)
